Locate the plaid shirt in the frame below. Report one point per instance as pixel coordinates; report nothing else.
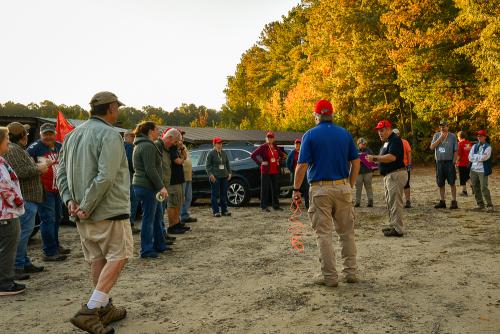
(27, 172)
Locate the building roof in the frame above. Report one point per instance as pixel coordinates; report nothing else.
(76, 122)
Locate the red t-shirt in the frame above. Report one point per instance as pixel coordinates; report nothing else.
(464, 148)
(273, 161)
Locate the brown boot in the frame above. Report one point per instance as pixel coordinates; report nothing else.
(90, 321)
(110, 313)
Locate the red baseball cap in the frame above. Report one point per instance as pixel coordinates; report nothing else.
(383, 124)
(323, 107)
(482, 133)
(298, 140)
(270, 134)
(217, 140)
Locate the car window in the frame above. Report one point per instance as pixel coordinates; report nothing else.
(195, 157)
(238, 155)
(203, 158)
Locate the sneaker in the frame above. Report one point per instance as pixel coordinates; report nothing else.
(226, 214)
(189, 220)
(408, 205)
(266, 210)
(351, 278)
(54, 258)
(440, 205)
(370, 204)
(464, 193)
(13, 289)
(175, 230)
(90, 321)
(20, 275)
(218, 215)
(29, 269)
(392, 233)
(64, 251)
(135, 230)
(454, 205)
(320, 280)
(357, 205)
(111, 313)
(490, 209)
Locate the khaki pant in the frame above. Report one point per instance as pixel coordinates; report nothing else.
(394, 184)
(480, 185)
(366, 180)
(331, 206)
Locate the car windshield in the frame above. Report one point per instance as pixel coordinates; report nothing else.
(195, 157)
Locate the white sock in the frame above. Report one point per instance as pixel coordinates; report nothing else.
(98, 299)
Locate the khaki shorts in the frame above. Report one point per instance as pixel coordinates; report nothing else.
(175, 196)
(107, 239)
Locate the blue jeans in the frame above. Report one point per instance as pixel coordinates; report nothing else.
(188, 197)
(152, 239)
(219, 191)
(133, 205)
(50, 215)
(27, 225)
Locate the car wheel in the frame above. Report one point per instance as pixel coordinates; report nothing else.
(238, 193)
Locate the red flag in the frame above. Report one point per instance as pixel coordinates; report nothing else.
(63, 127)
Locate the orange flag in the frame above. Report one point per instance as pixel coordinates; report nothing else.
(63, 127)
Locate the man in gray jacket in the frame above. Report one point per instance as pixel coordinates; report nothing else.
(219, 174)
(94, 183)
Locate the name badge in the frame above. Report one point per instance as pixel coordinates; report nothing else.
(273, 160)
(385, 145)
(221, 166)
(442, 150)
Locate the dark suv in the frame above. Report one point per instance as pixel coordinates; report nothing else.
(245, 181)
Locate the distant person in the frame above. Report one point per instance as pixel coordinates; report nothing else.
(187, 186)
(128, 142)
(291, 163)
(31, 187)
(464, 147)
(481, 158)
(219, 175)
(11, 208)
(409, 166)
(330, 158)
(268, 156)
(392, 168)
(46, 150)
(94, 181)
(365, 175)
(148, 182)
(445, 146)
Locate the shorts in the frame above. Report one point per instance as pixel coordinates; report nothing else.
(107, 239)
(175, 196)
(407, 185)
(445, 172)
(464, 174)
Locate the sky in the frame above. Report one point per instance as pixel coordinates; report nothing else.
(149, 52)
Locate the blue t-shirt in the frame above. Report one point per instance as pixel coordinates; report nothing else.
(327, 149)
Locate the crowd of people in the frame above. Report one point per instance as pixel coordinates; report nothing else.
(101, 179)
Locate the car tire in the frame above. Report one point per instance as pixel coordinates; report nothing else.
(238, 193)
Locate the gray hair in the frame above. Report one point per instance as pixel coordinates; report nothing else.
(174, 133)
(323, 118)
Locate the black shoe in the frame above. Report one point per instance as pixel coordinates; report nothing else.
(266, 210)
(165, 249)
(440, 205)
(175, 230)
(64, 251)
(357, 205)
(32, 269)
(392, 233)
(184, 227)
(13, 289)
(454, 205)
(408, 204)
(464, 193)
(370, 204)
(218, 215)
(189, 220)
(54, 258)
(169, 242)
(20, 275)
(150, 255)
(278, 209)
(226, 214)
(169, 238)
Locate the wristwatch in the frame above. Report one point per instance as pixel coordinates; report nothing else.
(298, 190)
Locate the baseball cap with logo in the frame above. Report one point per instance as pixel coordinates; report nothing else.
(47, 127)
(103, 98)
(217, 140)
(323, 107)
(17, 128)
(482, 133)
(270, 134)
(383, 124)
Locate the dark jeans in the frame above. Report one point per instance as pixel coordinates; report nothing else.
(133, 205)
(9, 237)
(50, 215)
(269, 188)
(219, 192)
(27, 222)
(152, 238)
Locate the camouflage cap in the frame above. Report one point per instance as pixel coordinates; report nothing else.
(103, 98)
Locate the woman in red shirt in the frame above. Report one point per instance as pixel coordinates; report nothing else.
(267, 156)
(464, 147)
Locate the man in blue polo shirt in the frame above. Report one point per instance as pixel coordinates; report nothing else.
(329, 156)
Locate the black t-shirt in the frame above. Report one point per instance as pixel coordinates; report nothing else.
(177, 176)
(394, 146)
